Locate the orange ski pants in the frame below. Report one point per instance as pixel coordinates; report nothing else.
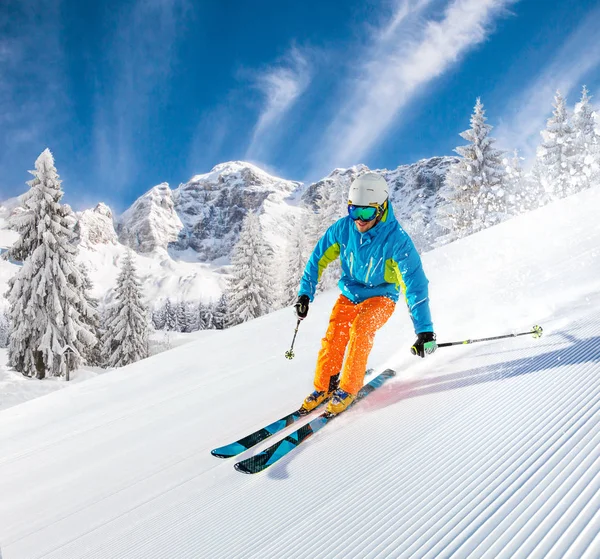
(353, 325)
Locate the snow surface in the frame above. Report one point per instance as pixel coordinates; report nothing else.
(490, 450)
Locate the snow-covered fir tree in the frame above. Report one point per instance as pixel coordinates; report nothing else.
(249, 290)
(586, 157)
(473, 195)
(49, 312)
(295, 262)
(126, 337)
(91, 317)
(220, 314)
(159, 320)
(205, 316)
(182, 317)
(331, 204)
(170, 316)
(4, 328)
(556, 153)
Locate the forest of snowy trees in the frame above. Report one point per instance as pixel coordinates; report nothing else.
(53, 324)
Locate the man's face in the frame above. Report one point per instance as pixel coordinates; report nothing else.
(364, 226)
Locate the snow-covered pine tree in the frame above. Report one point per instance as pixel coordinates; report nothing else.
(91, 317)
(296, 257)
(49, 312)
(159, 320)
(556, 152)
(473, 190)
(205, 316)
(220, 316)
(170, 316)
(332, 204)
(473, 195)
(586, 157)
(249, 291)
(26, 222)
(4, 328)
(191, 317)
(126, 338)
(182, 325)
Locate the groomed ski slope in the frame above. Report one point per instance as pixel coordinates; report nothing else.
(490, 450)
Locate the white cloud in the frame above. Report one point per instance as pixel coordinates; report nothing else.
(281, 86)
(407, 54)
(526, 115)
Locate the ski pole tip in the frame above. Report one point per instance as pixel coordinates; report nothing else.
(537, 331)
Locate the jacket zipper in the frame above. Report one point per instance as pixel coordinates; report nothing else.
(369, 270)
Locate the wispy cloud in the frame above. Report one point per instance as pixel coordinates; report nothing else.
(406, 54)
(144, 48)
(281, 86)
(526, 114)
(32, 69)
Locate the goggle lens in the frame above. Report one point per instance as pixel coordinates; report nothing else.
(362, 213)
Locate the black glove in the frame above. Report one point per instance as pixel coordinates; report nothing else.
(302, 306)
(424, 345)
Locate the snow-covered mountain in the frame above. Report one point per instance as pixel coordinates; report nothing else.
(413, 192)
(482, 451)
(184, 236)
(151, 223)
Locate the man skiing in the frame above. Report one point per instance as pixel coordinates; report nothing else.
(379, 260)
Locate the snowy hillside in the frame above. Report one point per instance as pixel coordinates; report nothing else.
(487, 451)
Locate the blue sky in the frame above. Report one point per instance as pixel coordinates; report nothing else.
(131, 93)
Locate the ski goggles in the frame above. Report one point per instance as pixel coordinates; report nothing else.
(363, 213)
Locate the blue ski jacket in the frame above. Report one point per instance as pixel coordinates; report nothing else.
(380, 262)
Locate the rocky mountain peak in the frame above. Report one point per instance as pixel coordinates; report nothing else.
(151, 222)
(212, 206)
(96, 227)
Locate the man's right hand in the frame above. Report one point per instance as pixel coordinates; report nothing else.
(302, 306)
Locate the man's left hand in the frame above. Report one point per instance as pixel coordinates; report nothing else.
(424, 345)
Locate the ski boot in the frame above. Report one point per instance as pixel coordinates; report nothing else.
(315, 399)
(339, 402)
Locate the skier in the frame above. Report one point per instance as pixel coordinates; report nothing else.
(378, 261)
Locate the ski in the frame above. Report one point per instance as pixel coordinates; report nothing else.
(253, 439)
(275, 452)
(243, 444)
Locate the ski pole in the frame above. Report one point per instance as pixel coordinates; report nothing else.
(536, 331)
(289, 354)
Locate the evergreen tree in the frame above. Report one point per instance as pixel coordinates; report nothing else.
(586, 157)
(473, 194)
(332, 204)
(556, 153)
(205, 316)
(4, 328)
(126, 339)
(297, 256)
(91, 317)
(182, 324)
(170, 316)
(159, 319)
(249, 291)
(49, 312)
(220, 314)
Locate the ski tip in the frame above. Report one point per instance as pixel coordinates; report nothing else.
(218, 454)
(389, 372)
(241, 468)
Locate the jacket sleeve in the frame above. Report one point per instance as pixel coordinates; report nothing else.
(327, 250)
(414, 283)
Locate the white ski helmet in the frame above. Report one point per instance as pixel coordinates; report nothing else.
(369, 189)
